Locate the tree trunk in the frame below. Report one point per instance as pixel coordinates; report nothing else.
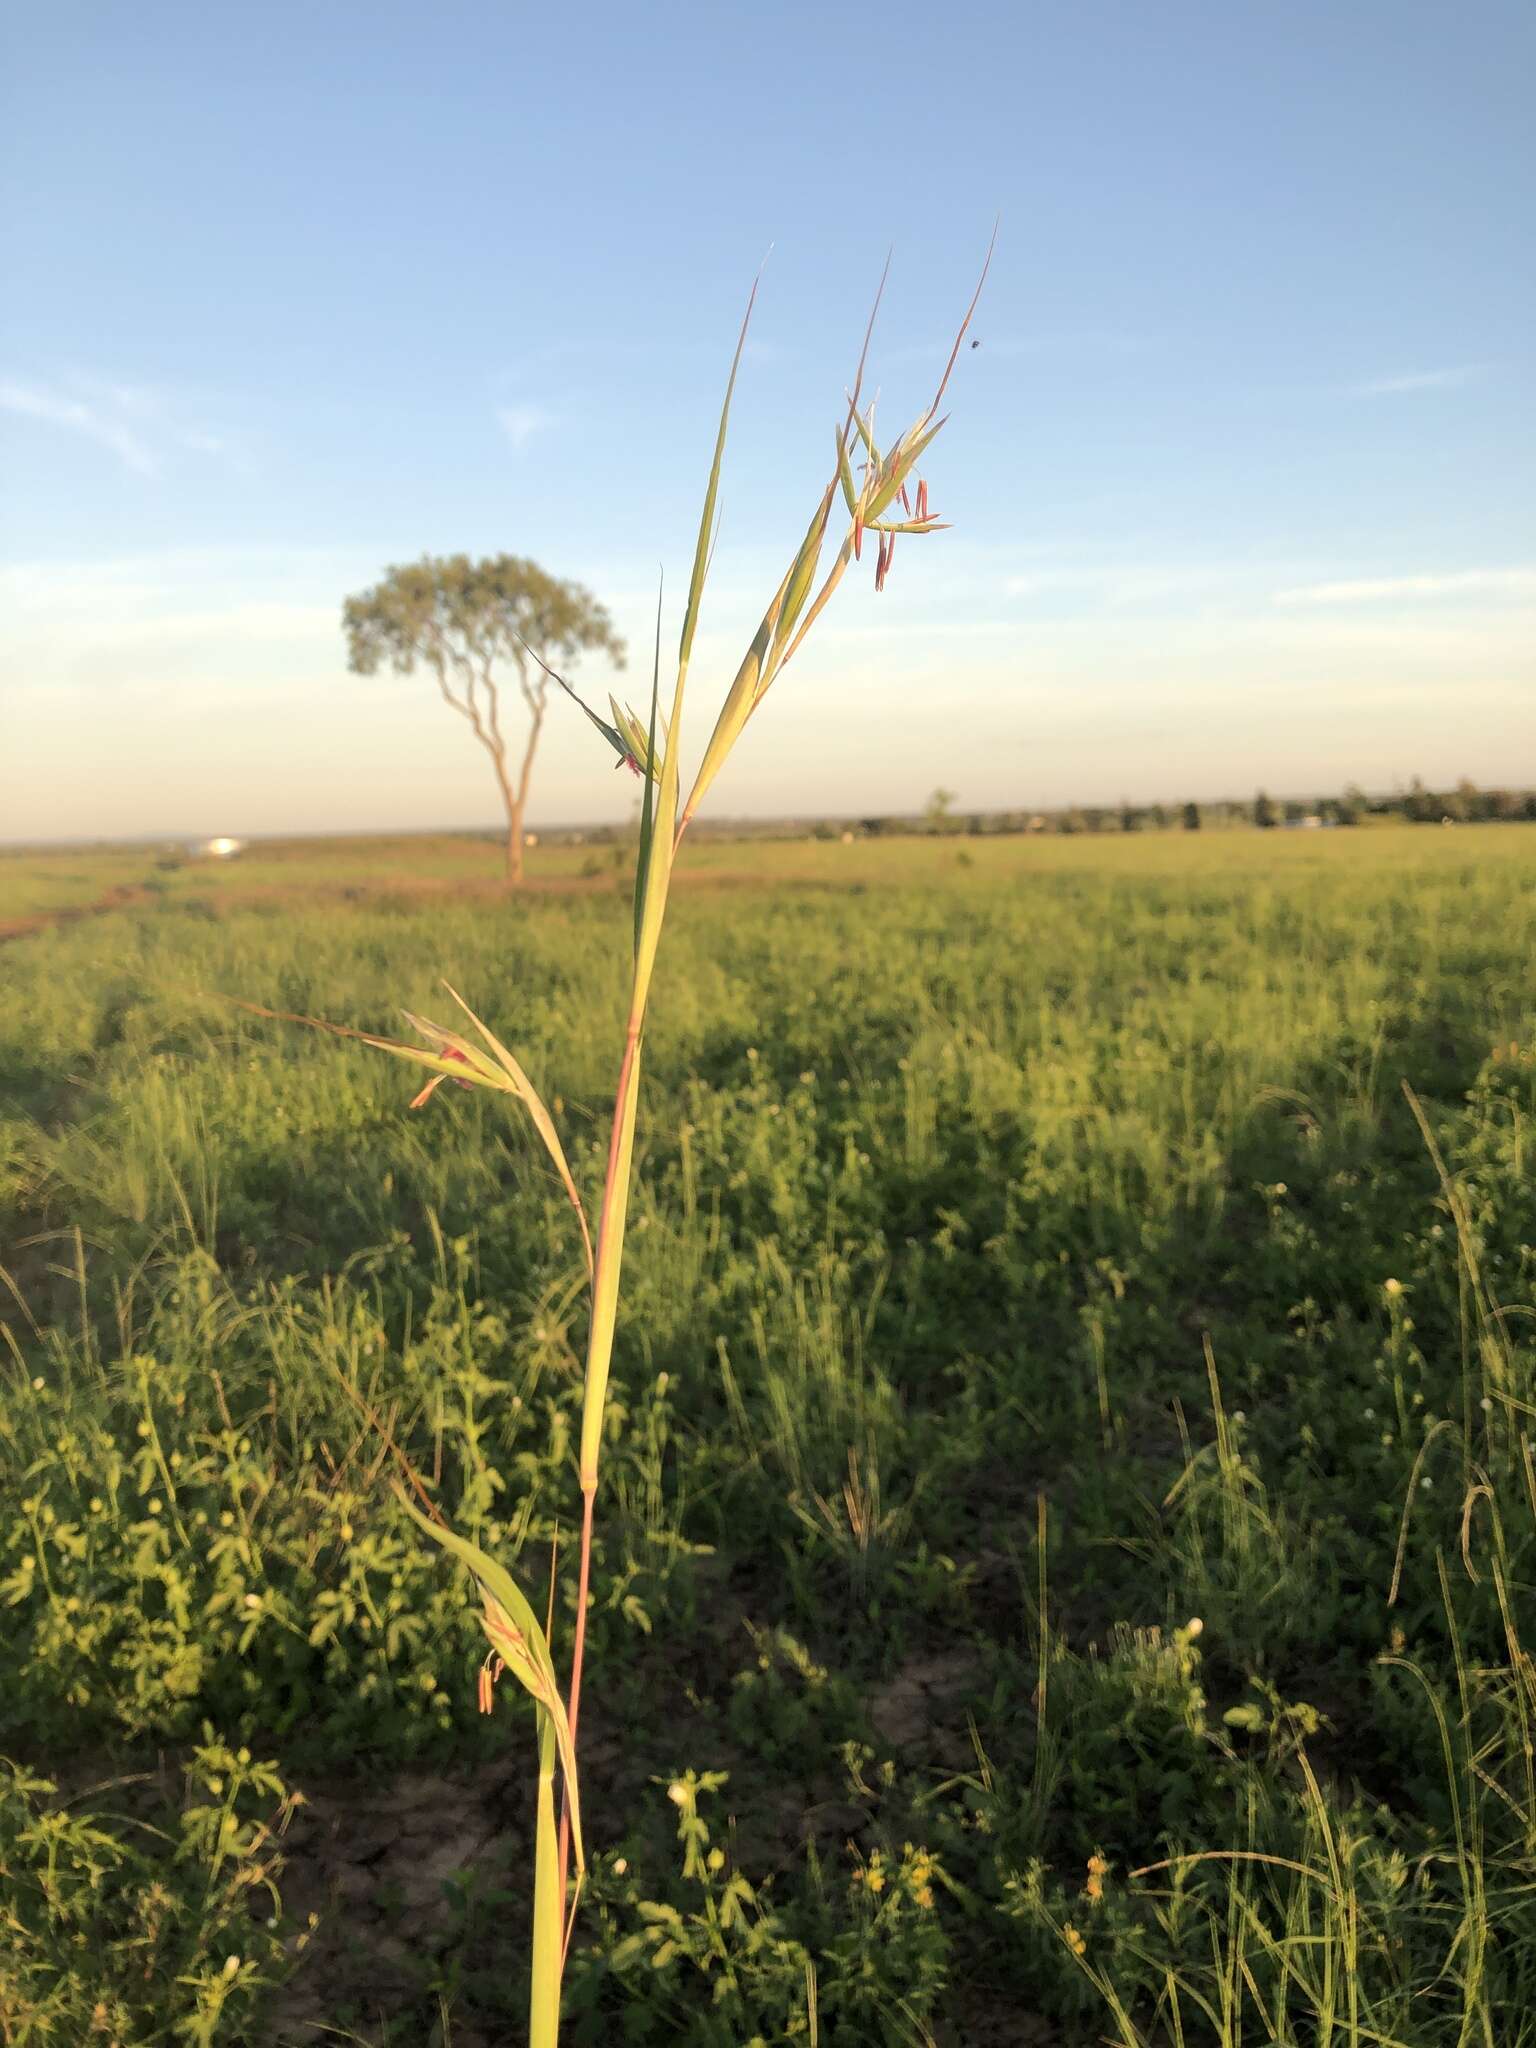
(513, 801)
(517, 799)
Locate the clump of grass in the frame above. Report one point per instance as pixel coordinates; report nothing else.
(124, 1925)
(884, 497)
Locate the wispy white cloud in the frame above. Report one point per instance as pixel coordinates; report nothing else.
(1417, 380)
(141, 425)
(65, 591)
(521, 422)
(104, 424)
(206, 689)
(1516, 583)
(1120, 587)
(131, 622)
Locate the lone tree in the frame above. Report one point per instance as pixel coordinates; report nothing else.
(467, 621)
(936, 812)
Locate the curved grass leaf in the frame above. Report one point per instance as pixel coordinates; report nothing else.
(515, 1635)
(533, 1102)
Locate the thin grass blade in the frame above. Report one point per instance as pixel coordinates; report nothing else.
(548, 1958)
(543, 1122)
(463, 1062)
(648, 802)
(711, 497)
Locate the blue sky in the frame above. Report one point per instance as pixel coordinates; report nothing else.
(1241, 474)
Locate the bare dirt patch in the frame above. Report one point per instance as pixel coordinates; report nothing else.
(128, 896)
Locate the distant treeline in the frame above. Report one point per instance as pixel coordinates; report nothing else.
(1419, 805)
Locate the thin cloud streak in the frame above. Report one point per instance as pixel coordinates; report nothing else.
(1518, 582)
(140, 424)
(29, 401)
(1417, 380)
(1120, 588)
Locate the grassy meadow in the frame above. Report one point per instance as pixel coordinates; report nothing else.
(1067, 1544)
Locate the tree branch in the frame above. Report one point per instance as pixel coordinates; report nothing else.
(536, 702)
(440, 655)
(492, 697)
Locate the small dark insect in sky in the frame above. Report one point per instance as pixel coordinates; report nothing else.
(975, 344)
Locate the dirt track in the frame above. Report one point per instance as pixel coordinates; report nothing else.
(399, 890)
(123, 898)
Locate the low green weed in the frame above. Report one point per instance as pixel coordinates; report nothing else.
(861, 1953)
(131, 1928)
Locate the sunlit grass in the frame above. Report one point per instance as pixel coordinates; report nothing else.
(958, 1165)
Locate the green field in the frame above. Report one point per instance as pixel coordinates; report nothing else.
(1068, 1536)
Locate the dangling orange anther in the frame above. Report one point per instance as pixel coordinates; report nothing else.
(883, 563)
(490, 1671)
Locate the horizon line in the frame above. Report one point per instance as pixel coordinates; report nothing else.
(704, 828)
